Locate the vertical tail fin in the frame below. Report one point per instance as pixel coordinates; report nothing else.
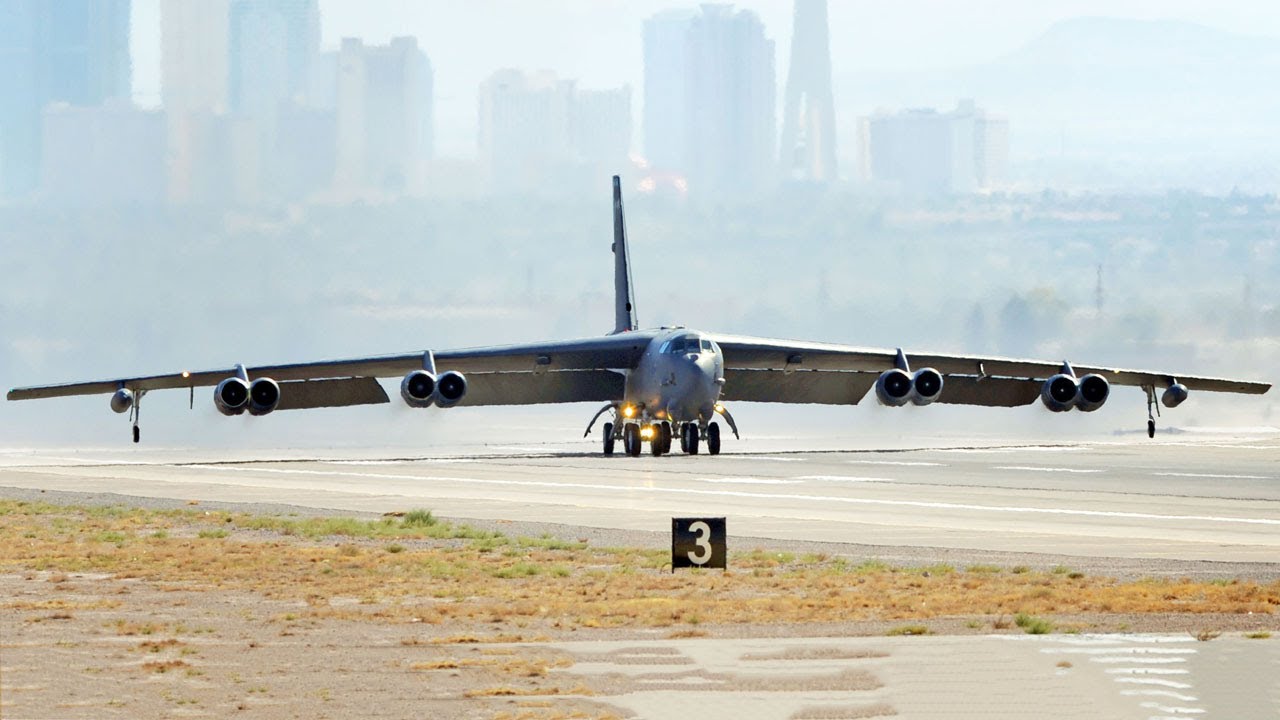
(624, 301)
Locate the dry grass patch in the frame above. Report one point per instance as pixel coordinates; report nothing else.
(164, 666)
(510, 691)
(418, 569)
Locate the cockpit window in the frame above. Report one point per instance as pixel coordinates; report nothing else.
(685, 344)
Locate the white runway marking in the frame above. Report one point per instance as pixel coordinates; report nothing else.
(757, 496)
(899, 463)
(842, 478)
(1032, 468)
(1140, 660)
(1206, 475)
(749, 481)
(1160, 693)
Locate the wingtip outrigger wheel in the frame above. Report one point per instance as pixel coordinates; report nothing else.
(135, 412)
(1152, 410)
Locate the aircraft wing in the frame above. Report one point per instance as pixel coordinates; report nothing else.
(793, 371)
(568, 371)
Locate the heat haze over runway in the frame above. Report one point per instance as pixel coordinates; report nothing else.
(1206, 498)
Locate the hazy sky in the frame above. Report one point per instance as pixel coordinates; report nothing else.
(598, 42)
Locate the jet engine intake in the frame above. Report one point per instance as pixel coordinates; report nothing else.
(1175, 395)
(1094, 391)
(926, 386)
(264, 396)
(1059, 392)
(894, 387)
(418, 389)
(231, 396)
(450, 389)
(122, 400)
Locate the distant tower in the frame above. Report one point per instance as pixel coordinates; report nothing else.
(1097, 292)
(809, 125)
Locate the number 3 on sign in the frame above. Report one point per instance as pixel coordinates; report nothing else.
(702, 540)
(698, 542)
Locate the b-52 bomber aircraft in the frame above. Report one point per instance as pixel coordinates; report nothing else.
(656, 384)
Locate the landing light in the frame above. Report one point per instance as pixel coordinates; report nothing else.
(629, 411)
(646, 432)
(185, 374)
(719, 409)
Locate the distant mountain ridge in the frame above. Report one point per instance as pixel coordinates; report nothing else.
(1122, 42)
(1143, 93)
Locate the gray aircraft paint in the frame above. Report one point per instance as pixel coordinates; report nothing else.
(642, 378)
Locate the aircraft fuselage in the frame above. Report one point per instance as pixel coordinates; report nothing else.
(678, 379)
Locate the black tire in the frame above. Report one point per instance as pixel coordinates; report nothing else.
(655, 440)
(1151, 428)
(664, 430)
(713, 438)
(684, 439)
(137, 434)
(692, 442)
(631, 439)
(608, 439)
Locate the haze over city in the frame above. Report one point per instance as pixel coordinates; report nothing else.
(1095, 181)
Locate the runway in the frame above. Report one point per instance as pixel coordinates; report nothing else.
(1208, 498)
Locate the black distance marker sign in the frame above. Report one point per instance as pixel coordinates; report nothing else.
(698, 542)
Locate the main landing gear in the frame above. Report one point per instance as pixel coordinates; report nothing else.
(633, 434)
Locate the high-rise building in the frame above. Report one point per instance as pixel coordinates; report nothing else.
(808, 149)
(710, 99)
(731, 102)
(541, 133)
(384, 116)
(666, 64)
(991, 150)
(193, 55)
(600, 129)
(272, 47)
(70, 51)
(110, 154)
(193, 88)
(927, 152)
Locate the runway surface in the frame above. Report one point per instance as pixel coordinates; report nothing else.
(1213, 498)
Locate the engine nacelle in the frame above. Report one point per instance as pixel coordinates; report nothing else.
(122, 400)
(1059, 392)
(450, 389)
(1175, 395)
(894, 387)
(264, 396)
(231, 397)
(1094, 391)
(926, 386)
(418, 389)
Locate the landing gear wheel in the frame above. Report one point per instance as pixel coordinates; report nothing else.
(689, 438)
(137, 434)
(631, 439)
(664, 432)
(713, 438)
(655, 441)
(1151, 428)
(608, 439)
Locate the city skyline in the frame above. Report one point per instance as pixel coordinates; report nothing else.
(863, 40)
(714, 109)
